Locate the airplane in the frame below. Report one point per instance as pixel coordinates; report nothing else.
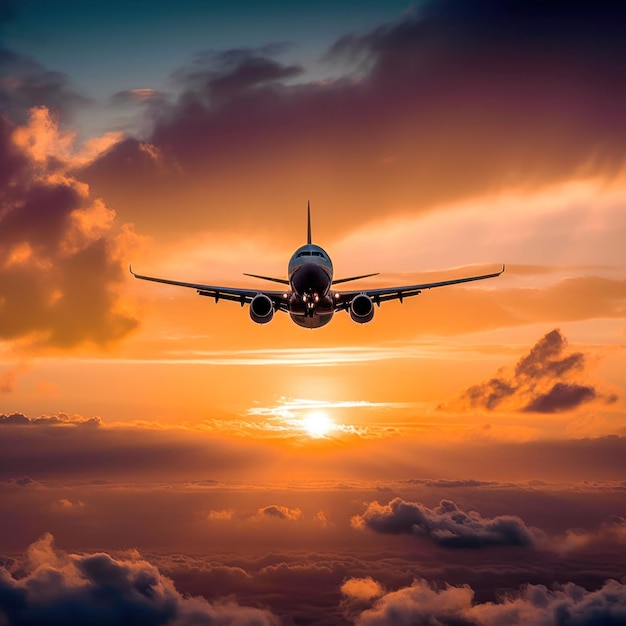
(308, 295)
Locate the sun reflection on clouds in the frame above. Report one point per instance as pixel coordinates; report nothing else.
(317, 424)
(315, 419)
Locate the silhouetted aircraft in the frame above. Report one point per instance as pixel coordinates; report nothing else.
(308, 296)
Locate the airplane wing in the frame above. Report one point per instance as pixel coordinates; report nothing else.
(282, 281)
(351, 278)
(343, 298)
(234, 294)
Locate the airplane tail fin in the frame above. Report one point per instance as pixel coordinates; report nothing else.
(308, 230)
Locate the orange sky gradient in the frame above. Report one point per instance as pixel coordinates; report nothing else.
(138, 416)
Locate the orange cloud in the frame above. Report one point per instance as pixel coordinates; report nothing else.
(59, 285)
(275, 511)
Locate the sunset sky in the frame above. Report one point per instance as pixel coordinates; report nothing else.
(161, 459)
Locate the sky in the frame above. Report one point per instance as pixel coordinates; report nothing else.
(461, 459)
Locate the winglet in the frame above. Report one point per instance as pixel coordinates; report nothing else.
(130, 269)
(308, 231)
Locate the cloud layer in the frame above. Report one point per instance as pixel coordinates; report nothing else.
(449, 101)
(58, 446)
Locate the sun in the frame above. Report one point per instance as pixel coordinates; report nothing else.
(317, 424)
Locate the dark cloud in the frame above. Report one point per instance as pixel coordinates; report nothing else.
(453, 484)
(26, 481)
(52, 447)
(561, 397)
(223, 60)
(541, 382)
(546, 358)
(57, 446)
(26, 84)
(568, 604)
(445, 525)
(18, 419)
(60, 270)
(218, 76)
(454, 99)
(98, 589)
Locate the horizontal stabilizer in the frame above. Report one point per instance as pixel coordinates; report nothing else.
(345, 280)
(282, 281)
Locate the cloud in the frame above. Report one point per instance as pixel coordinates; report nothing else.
(362, 588)
(609, 533)
(141, 95)
(25, 84)
(454, 99)
(60, 445)
(446, 525)
(25, 481)
(542, 381)
(275, 511)
(218, 76)
(61, 268)
(100, 589)
(454, 483)
(66, 505)
(422, 603)
(60, 419)
(561, 397)
(223, 515)
(358, 595)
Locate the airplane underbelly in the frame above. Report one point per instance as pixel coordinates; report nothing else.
(314, 321)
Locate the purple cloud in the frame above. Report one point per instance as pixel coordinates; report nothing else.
(445, 525)
(542, 381)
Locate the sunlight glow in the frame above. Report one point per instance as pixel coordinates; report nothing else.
(317, 424)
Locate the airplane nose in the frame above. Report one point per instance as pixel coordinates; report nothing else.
(310, 278)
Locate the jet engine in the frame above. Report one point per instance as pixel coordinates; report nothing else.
(261, 309)
(361, 309)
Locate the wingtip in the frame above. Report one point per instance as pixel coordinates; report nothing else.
(130, 269)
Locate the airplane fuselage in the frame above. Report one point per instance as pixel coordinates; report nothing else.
(310, 273)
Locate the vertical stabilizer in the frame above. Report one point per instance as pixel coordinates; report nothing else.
(308, 230)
